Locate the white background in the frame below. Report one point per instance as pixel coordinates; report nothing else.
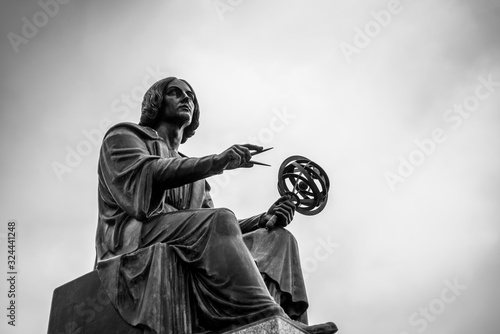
(356, 115)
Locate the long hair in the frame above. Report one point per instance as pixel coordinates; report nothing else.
(153, 102)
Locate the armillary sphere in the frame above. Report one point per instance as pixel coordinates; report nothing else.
(305, 183)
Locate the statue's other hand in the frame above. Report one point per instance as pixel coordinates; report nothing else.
(283, 209)
(236, 156)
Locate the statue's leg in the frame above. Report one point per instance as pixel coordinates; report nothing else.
(226, 284)
(277, 256)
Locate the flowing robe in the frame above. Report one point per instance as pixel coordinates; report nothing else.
(151, 195)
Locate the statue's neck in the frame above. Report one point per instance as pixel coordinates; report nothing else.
(171, 134)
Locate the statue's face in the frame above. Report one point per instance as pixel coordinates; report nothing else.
(178, 102)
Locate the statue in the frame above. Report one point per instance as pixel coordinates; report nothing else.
(150, 193)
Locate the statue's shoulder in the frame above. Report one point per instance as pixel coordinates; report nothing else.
(128, 128)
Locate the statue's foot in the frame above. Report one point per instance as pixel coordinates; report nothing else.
(326, 328)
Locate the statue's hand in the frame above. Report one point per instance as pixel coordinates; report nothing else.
(283, 209)
(236, 156)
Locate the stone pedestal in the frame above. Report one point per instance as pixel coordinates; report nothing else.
(274, 325)
(82, 306)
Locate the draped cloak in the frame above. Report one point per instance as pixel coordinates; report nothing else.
(150, 195)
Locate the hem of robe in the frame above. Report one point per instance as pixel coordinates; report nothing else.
(130, 301)
(265, 247)
(295, 309)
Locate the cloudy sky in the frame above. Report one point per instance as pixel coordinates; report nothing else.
(397, 100)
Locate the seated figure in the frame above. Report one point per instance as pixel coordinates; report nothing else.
(150, 194)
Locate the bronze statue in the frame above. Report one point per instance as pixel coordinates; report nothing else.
(149, 193)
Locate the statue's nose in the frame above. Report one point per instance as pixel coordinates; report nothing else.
(186, 97)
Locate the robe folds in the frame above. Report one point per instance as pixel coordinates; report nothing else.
(151, 196)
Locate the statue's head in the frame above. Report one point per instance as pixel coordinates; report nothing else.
(154, 102)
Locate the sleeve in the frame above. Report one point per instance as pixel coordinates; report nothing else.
(136, 178)
(250, 224)
(175, 172)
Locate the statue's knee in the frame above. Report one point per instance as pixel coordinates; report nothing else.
(226, 214)
(226, 222)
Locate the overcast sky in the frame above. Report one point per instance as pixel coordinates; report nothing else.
(397, 101)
